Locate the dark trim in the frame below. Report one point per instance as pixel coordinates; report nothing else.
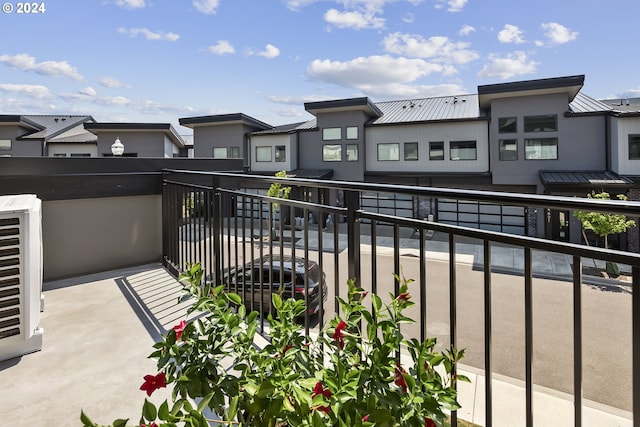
(127, 126)
(223, 118)
(362, 103)
(387, 174)
(527, 85)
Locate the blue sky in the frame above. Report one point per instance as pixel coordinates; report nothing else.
(160, 60)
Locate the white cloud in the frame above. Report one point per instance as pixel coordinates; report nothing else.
(148, 34)
(409, 18)
(377, 5)
(438, 48)
(367, 72)
(452, 5)
(288, 112)
(510, 34)
(112, 100)
(208, 7)
(33, 91)
(222, 47)
(27, 62)
(466, 30)
(558, 34)
(110, 82)
(88, 91)
(357, 20)
(298, 100)
(511, 65)
(270, 51)
(131, 4)
(399, 90)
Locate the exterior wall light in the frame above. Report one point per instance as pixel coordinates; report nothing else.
(117, 148)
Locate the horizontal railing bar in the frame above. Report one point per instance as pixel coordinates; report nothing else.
(187, 184)
(631, 208)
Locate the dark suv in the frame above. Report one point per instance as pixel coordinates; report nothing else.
(256, 281)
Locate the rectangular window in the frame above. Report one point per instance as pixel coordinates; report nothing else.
(352, 152)
(463, 150)
(411, 151)
(5, 144)
(541, 149)
(634, 147)
(352, 132)
(548, 123)
(508, 149)
(388, 152)
(281, 153)
(220, 153)
(234, 152)
(436, 150)
(80, 155)
(332, 153)
(263, 154)
(507, 125)
(331, 134)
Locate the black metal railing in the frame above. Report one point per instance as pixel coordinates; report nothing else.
(221, 221)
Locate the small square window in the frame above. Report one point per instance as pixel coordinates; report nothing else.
(352, 152)
(411, 151)
(634, 147)
(352, 132)
(388, 152)
(234, 152)
(263, 154)
(220, 153)
(281, 153)
(436, 150)
(508, 149)
(5, 144)
(332, 153)
(463, 150)
(507, 125)
(331, 134)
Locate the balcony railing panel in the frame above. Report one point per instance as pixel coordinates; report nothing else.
(228, 223)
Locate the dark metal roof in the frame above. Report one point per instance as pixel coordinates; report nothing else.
(461, 107)
(583, 179)
(363, 103)
(192, 122)
(50, 126)
(288, 128)
(569, 84)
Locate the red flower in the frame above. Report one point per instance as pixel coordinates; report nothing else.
(179, 328)
(399, 378)
(428, 422)
(153, 382)
(404, 297)
(365, 418)
(150, 425)
(320, 390)
(338, 335)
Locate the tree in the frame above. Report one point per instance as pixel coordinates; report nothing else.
(604, 224)
(279, 191)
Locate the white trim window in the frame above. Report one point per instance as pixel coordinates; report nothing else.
(388, 152)
(5, 145)
(263, 154)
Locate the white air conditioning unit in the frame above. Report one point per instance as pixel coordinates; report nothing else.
(21, 297)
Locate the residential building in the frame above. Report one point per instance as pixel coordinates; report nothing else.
(139, 139)
(540, 136)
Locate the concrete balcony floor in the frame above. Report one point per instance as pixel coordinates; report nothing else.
(99, 330)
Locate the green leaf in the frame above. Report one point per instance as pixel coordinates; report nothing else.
(149, 411)
(163, 411)
(233, 407)
(277, 301)
(377, 303)
(266, 389)
(204, 403)
(120, 422)
(234, 298)
(85, 420)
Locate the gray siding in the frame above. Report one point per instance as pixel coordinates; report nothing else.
(621, 128)
(581, 139)
(223, 135)
(144, 144)
(19, 148)
(310, 145)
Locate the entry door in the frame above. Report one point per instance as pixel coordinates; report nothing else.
(559, 225)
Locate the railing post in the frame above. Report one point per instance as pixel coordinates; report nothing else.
(352, 203)
(216, 231)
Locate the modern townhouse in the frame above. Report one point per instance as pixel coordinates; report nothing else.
(538, 136)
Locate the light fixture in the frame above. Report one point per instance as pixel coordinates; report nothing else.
(117, 148)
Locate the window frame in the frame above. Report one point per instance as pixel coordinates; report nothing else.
(501, 150)
(327, 134)
(7, 146)
(527, 143)
(417, 152)
(337, 147)
(502, 125)
(634, 139)
(352, 148)
(351, 132)
(452, 147)
(234, 152)
(226, 152)
(282, 149)
(530, 127)
(432, 148)
(264, 149)
(391, 158)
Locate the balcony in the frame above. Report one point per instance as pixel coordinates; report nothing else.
(548, 342)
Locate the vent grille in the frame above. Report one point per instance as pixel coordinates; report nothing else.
(10, 307)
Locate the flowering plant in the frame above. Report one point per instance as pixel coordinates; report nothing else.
(360, 371)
